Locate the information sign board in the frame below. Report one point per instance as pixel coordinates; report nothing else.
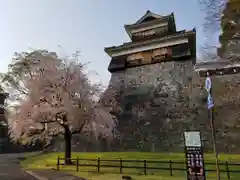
(194, 156)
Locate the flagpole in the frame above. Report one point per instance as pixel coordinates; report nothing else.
(211, 113)
(228, 69)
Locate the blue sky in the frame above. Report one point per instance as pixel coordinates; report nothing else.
(85, 25)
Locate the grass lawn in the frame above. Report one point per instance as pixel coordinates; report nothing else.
(48, 161)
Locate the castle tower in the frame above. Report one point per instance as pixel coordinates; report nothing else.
(153, 73)
(154, 39)
(155, 46)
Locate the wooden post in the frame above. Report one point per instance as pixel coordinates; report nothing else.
(77, 164)
(227, 169)
(98, 165)
(58, 162)
(120, 165)
(145, 167)
(211, 113)
(170, 167)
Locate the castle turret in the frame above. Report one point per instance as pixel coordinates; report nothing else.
(157, 89)
(154, 39)
(152, 76)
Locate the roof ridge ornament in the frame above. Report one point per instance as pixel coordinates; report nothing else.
(148, 14)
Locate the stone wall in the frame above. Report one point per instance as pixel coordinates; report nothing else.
(160, 101)
(226, 91)
(154, 103)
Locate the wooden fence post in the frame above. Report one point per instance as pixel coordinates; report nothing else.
(170, 167)
(58, 162)
(98, 165)
(120, 165)
(227, 169)
(145, 167)
(77, 164)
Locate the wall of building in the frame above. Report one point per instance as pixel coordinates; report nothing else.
(227, 104)
(157, 94)
(160, 101)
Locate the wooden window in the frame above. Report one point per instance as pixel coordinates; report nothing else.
(134, 59)
(180, 50)
(145, 33)
(160, 52)
(135, 56)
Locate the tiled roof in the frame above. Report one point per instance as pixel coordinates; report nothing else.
(217, 68)
(134, 44)
(216, 65)
(141, 22)
(148, 14)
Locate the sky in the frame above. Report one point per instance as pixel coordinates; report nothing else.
(66, 26)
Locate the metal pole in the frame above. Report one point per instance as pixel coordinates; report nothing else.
(214, 139)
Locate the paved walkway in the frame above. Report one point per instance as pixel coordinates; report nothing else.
(10, 168)
(53, 175)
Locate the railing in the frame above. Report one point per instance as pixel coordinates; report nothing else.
(144, 165)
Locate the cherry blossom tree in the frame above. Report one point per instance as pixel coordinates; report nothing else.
(58, 99)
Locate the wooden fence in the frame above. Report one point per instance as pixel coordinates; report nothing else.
(145, 165)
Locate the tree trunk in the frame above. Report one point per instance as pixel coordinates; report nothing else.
(67, 139)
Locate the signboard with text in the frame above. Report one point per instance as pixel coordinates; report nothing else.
(194, 156)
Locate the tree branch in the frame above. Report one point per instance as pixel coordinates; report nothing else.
(77, 131)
